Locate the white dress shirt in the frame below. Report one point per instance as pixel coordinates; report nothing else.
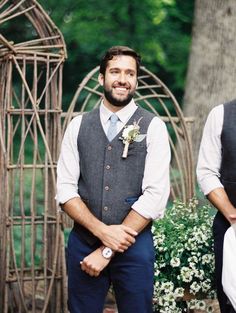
(155, 185)
(210, 156)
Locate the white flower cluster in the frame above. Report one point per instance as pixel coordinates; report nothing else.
(128, 132)
(184, 258)
(200, 305)
(167, 296)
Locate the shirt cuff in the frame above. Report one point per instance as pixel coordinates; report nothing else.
(64, 198)
(209, 184)
(150, 212)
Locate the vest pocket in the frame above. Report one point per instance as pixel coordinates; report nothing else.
(131, 200)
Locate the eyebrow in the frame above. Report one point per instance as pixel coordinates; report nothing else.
(118, 68)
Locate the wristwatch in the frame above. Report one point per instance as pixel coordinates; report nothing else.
(107, 252)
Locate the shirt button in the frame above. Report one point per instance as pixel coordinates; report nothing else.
(107, 188)
(109, 148)
(108, 167)
(105, 208)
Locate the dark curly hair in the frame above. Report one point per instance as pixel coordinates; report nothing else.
(119, 50)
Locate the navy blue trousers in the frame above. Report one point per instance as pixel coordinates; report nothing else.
(220, 226)
(130, 273)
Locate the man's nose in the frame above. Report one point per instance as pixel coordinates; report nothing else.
(122, 77)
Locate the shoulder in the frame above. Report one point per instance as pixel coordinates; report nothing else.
(75, 121)
(217, 110)
(231, 104)
(216, 114)
(230, 109)
(157, 130)
(214, 122)
(145, 112)
(88, 116)
(74, 125)
(157, 123)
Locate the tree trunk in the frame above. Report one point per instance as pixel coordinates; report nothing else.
(211, 77)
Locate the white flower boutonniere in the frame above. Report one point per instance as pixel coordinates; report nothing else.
(129, 135)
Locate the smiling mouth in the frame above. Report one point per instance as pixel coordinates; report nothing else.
(121, 91)
(121, 88)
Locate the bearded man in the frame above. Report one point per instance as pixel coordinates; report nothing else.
(113, 196)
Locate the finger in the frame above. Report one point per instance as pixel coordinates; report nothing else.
(121, 250)
(123, 247)
(124, 244)
(87, 269)
(82, 266)
(130, 240)
(92, 271)
(129, 230)
(96, 274)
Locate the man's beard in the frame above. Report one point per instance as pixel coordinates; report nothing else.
(116, 102)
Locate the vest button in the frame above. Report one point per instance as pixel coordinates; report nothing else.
(109, 148)
(105, 208)
(107, 188)
(108, 167)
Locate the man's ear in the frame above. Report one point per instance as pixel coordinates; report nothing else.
(101, 79)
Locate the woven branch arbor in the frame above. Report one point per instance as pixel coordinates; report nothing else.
(32, 271)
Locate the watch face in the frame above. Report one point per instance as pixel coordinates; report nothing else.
(107, 252)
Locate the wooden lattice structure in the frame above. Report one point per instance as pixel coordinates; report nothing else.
(32, 262)
(153, 95)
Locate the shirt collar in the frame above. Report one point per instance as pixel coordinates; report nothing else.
(124, 114)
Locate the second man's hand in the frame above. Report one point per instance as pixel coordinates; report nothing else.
(232, 218)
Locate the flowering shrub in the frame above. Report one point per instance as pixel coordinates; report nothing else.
(184, 266)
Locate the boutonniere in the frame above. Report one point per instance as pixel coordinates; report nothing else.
(129, 135)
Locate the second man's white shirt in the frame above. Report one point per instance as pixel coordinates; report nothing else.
(210, 155)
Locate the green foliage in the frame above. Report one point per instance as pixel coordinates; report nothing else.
(24, 238)
(184, 257)
(159, 30)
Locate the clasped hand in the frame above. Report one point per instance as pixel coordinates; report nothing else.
(94, 263)
(117, 237)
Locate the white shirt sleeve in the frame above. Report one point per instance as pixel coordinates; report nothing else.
(68, 170)
(156, 182)
(209, 159)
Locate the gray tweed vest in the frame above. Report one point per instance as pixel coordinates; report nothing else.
(108, 183)
(228, 140)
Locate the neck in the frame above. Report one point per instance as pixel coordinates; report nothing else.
(112, 108)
